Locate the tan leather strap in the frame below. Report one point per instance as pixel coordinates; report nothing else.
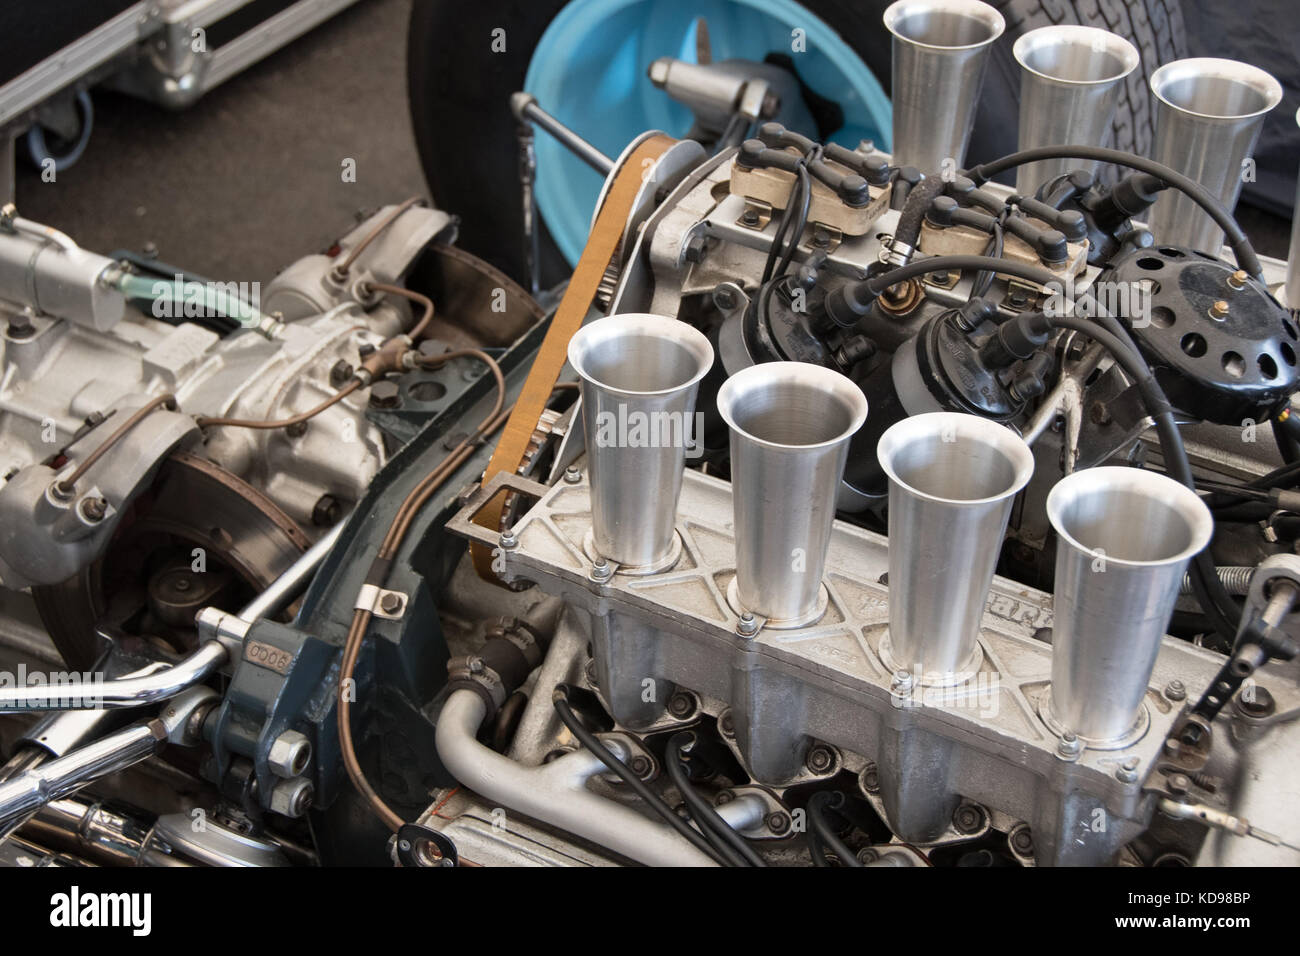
(605, 235)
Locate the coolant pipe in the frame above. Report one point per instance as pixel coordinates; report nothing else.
(790, 428)
(940, 52)
(555, 792)
(1209, 113)
(640, 375)
(1070, 78)
(952, 481)
(1124, 538)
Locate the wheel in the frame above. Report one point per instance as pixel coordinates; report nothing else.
(586, 60)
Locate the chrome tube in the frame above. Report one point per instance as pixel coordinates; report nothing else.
(281, 592)
(1124, 538)
(952, 481)
(1070, 78)
(940, 51)
(127, 692)
(1291, 292)
(1208, 116)
(640, 374)
(555, 792)
(31, 790)
(790, 428)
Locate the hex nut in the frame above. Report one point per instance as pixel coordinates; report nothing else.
(289, 755)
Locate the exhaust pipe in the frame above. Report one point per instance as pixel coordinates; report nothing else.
(640, 375)
(790, 428)
(1124, 538)
(952, 481)
(1070, 78)
(940, 51)
(1208, 116)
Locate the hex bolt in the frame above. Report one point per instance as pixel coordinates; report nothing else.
(726, 724)
(509, 539)
(20, 327)
(289, 755)
(968, 818)
(778, 821)
(601, 571)
(1179, 783)
(292, 798)
(1069, 746)
(94, 509)
(1021, 839)
(681, 705)
(749, 217)
(1219, 309)
(869, 779)
(1237, 280)
(820, 759)
(1176, 690)
(1128, 770)
(902, 683)
(390, 602)
(640, 765)
(340, 373)
(476, 665)
(748, 625)
(1255, 701)
(296, 430)
(385, 394)
(724, 298)
(572, 475)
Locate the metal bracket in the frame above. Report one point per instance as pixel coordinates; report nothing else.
(462, 524)
(381, 602)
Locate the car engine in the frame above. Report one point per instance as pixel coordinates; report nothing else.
(844, 508)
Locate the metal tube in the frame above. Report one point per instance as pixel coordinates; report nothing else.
(952, 481)
(1070, 78)
(1208, 116)
(36, 787)
(1291, 292)
(127, 692)
(940, 51)
(525, 108)
(790, 428)
(1124, 538)
(554, 792)
(280, 593)
(640, 374)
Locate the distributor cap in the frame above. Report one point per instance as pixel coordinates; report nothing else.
(1220, 345)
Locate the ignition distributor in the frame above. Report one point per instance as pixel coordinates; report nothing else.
(1222, 348)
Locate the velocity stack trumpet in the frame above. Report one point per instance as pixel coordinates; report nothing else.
(640, 375)
(952, 480)
(790, 428)
(1124, 538)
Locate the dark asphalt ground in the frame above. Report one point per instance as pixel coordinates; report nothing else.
(249, 178)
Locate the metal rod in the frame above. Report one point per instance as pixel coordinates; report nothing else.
(280, 593)
(525, 108)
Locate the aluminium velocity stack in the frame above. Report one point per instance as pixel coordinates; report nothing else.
(640, 375)
(940, 51)
(790, 428)
(1070, 78)
(952, 481)
(1208, 116)
(1124, 538)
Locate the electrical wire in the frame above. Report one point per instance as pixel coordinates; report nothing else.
(706, 818)
(1236, 237)
(656, 803)
(66, 485)
(817, 822)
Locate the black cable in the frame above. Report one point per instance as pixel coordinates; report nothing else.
(797, 227)
(984, 278)
(705, 816)
(1236, 237)
(800, 196)
(816, 821)
(585, 737)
